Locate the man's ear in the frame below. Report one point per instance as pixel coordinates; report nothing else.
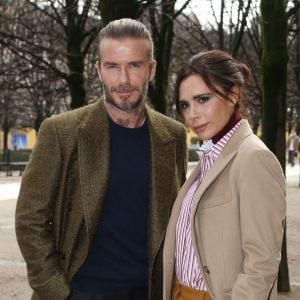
(97, 65)
(152, 69)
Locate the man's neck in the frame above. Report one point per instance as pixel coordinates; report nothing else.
(129, 119)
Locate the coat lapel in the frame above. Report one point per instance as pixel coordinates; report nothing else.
(170, 235)
(221, 162)
(163, 174)
(93, 147)
(170, 240)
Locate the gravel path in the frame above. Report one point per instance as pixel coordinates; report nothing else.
(13, 282)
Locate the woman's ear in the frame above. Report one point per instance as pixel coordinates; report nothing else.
(235, 94)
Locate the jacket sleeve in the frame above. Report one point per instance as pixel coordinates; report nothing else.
(262, 214)
(34, 213)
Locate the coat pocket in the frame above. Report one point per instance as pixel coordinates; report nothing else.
(215, 201)
(226, 294)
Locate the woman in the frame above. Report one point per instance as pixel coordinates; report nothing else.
(224, 236)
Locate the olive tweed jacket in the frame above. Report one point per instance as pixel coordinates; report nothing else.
(64, 186)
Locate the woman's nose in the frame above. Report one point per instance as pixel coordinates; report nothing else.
(194, 113)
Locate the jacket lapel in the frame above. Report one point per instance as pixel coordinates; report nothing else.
(93, 148)
(209, 178)
(171, 232)
(170, 240)
(227, 154)
(163, 162)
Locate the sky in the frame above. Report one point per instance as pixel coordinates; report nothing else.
(200, 7)
(203, 9)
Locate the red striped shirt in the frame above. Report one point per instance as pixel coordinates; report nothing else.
(187, 268)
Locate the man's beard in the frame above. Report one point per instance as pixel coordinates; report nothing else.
(125, 105)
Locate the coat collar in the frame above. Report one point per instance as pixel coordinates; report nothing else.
(163, 175)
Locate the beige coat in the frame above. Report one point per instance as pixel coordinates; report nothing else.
(237, 222)
(64, 186)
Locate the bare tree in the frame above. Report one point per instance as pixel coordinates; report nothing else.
(54, 36)
(274, 74)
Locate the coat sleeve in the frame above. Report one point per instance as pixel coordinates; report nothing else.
(34, 216)
(262, 214)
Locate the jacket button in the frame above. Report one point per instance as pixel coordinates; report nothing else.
(206, 270)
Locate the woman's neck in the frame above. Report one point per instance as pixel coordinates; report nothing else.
(234, 119)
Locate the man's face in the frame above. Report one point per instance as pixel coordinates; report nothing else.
(125, 70)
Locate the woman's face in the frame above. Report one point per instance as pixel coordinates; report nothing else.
(204, 112)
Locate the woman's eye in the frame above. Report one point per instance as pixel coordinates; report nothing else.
(203, 99)
(183, 105)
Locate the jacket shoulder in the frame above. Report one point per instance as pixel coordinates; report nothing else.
(253, 155)
(252, 143)
(71, 120)
(75, 115)
(171, 124)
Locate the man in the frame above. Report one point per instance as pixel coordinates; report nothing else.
(98, 190)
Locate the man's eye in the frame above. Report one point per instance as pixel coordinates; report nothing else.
(135, 65)
(111, 67)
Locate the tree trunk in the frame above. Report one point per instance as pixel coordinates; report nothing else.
(163, 45)
(75, 57)
(76, 81)
(5, 128)
(273, 77)
(115, 9)
(221, 26)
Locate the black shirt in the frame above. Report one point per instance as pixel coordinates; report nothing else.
(118, 258)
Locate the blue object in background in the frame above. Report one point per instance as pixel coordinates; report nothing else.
(19, 140)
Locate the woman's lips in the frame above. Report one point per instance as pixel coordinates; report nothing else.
(200, 128)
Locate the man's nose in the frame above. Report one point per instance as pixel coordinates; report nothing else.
(124, 75)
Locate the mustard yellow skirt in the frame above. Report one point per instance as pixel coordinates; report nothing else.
(182, 292)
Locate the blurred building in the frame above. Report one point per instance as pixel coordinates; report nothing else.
(19, 138)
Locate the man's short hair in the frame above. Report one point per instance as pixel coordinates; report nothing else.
(126, 28)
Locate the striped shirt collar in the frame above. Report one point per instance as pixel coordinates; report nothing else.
(218, 147)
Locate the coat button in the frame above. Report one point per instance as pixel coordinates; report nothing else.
(206, 270)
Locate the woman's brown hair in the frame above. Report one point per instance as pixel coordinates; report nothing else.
(220, 72)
